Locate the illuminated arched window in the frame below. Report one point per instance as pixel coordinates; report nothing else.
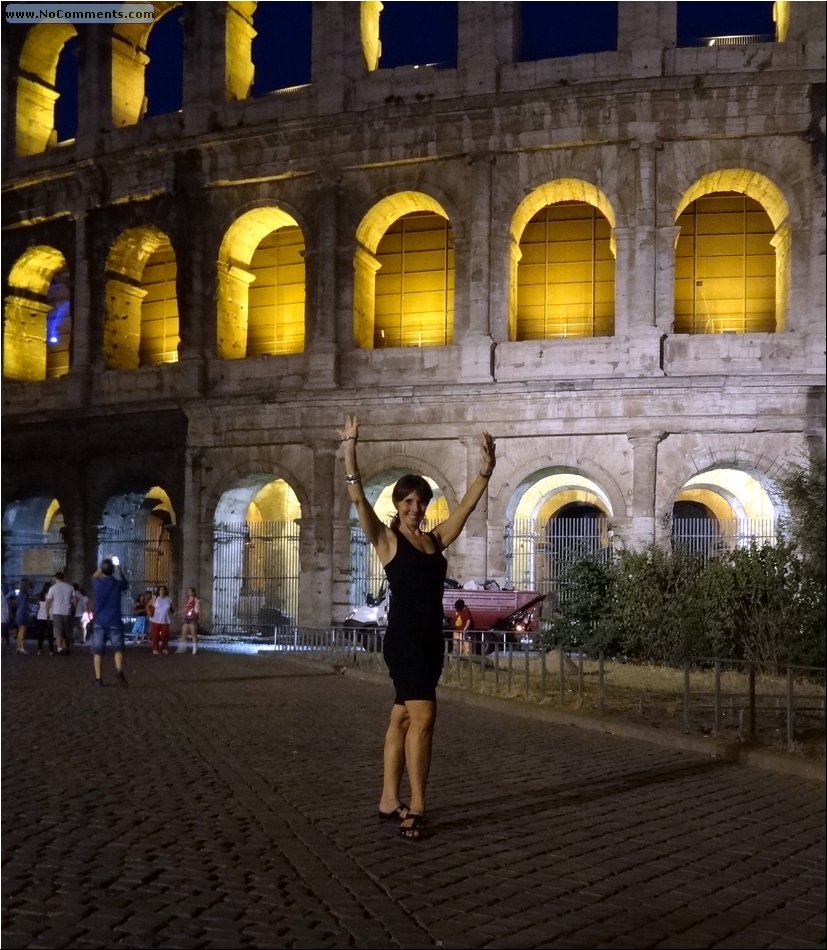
(37, 87)
(275, 320)
(404, 280)
(130, 59)
(415, 283)
(159, 309)
(261, 286)
(37, 320)
(141, 325)
(562, 263)
(725, 267)
(566, 274)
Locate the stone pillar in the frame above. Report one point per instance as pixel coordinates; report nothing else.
(472, 315)
(644, 481)
(189, 536)
(665, 241)
(321, 269)
(645, 30)
(205, 58)
(95, 79)
(487, 39)
(316, 545)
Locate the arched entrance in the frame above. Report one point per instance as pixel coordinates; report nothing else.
(136, 528)
(722, 509)
(559, 518)
(256, 562)
(34, 544)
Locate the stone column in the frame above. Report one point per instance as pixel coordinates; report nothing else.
(487, 39)
(316, 551)
(189, 536)
(645, 30)
(472, 316)
(644, 481)
(321, 274)
(666, 238)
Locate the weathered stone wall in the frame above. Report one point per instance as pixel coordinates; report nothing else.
(638, 412)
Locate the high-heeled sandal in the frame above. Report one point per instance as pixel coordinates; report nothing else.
(398, 814)
(412, 827)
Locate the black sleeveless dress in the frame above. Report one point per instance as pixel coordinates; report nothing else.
(414, 646)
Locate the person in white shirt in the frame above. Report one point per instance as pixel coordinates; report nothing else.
(60, 605)
(160, 613)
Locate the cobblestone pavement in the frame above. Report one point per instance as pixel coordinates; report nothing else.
(227, 801)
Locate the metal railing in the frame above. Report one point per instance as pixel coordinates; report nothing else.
(715, 697)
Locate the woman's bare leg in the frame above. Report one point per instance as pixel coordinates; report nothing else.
(393, 758)
(418, 745)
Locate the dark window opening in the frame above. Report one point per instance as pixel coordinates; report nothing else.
(66, 81)
(165, 70)
(725, 24)
(282, 46)
(418, 34)
(551, 30)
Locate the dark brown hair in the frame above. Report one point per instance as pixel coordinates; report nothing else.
(407, 485)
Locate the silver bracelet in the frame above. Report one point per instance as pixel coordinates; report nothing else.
(347, 438)
(353, 479)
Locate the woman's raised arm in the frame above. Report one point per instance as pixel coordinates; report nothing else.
(451, 528)
(378, 534)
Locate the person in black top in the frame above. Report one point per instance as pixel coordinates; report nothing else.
(413, 643)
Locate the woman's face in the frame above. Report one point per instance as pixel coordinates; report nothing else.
(162, 591)
(411, 510)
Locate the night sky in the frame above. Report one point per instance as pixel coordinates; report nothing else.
(411, 33)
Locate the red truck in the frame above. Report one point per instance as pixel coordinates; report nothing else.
(509, 613)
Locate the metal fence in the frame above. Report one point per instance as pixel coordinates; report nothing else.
(32, 554)
(709, 538)
(539, 555)
(726, 699)
(144, 553)
(256, 576)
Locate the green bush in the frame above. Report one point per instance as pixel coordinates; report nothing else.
(763, 604)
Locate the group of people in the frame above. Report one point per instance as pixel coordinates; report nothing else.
(154, 612)
(62, 612)
(58, 615)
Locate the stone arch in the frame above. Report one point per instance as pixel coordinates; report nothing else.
(34, 541)
(36, 86)
(256, 551)
(598, 313)
(511, 491)
(236, 274)
(129, 62)
(34, 314)
(131, 299)
(238, 49)
(768, 195)
(537, 549)
(385, 214)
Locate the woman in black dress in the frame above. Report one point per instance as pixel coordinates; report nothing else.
(413, 644)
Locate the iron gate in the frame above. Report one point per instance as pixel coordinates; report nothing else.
(34, 555)
(145, 556)
(538, 555)
(256, 585)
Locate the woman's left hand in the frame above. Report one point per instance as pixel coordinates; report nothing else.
(488, 454)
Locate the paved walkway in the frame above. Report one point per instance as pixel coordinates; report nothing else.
(227, 801)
